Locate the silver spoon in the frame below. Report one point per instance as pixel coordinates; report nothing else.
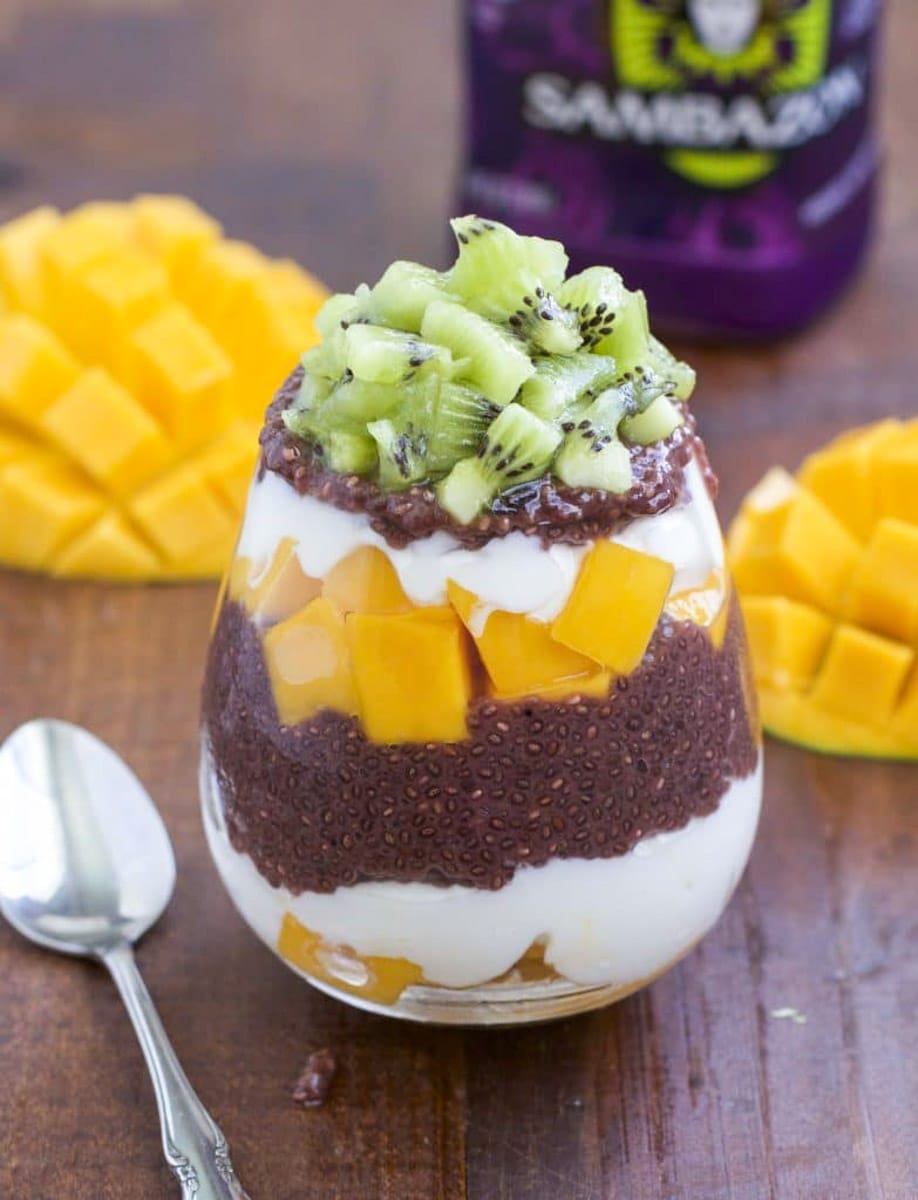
(86, 868)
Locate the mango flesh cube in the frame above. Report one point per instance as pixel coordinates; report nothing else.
(109, 549)
(221, 275)
(120, 444)
(843, 475)
(293, 289)
(14, 447)
(798, 549)
(76, 243)
(20, 247)
(269, 340)
(365, 582)
(181, 375)
(883, 592)
(787, 640)
(34, 369)
(519, 654)
(897, 483)
(110, 300)
(229, 464)
(284, 588)
(309, 663)
(861, 676)
(114, 218)
(615, 605)
(412, 675)
(376, 978)
(42, 503)
(182, 517)
(175, 230)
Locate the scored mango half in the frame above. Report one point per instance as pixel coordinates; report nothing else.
(138, 351)
(826, 565)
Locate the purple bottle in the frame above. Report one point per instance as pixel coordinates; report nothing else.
(719, 153)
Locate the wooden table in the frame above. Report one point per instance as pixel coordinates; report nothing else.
(330, 132)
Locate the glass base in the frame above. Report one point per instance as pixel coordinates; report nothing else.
(493, 1004)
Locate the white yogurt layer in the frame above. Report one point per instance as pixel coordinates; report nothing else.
(513, 574)
(603, 921)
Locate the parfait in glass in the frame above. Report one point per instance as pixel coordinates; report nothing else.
(479, 739)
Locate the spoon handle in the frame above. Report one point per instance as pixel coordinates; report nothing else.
(194, 1147)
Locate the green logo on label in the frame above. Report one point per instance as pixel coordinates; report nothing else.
(742, 54)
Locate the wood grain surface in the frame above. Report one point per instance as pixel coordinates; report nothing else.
(330, 132)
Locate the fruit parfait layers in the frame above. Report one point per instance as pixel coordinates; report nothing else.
(479, 738)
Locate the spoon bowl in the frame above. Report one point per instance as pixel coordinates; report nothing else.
(85, 860)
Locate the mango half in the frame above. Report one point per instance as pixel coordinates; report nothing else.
(138, 351)
(826, 566)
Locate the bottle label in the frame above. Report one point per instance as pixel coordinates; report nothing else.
(683, 141)
(722, 87)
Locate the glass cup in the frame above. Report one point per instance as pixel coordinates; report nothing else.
(478, 785)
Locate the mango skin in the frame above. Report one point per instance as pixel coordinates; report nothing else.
(137, 357)
(832, 615)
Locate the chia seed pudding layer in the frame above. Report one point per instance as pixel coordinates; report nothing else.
(318, 806)
(544, 508)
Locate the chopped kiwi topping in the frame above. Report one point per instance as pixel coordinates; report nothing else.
(497, 372)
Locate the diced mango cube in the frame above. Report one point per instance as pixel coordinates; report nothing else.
(861, 676)
(705, 605)
(181, 515)
(43, 502)
(843, 476)
(615, 605)
(35, 368)
(365, 582)
(181, 375)
(119, 443)
(787, 640)
(284, 587)
(108, 549)
(883, 591)
(110, 300)
(520, 654)
(795, 548)
(373, 977)
(309, 663)
(20, 247)
(175, 230)
(412, 675)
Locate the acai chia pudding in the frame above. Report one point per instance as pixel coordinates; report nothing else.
(479, 739)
